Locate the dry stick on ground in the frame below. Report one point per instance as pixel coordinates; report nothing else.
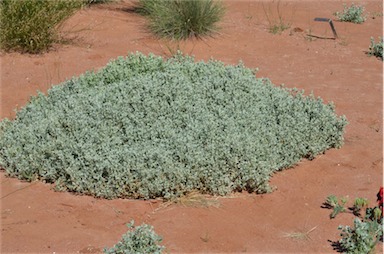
(19, 190)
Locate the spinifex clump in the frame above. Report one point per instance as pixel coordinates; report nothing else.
(182, 19)
(32, 26)
(144, 127)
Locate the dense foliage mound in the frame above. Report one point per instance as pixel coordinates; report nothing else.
(145, 127)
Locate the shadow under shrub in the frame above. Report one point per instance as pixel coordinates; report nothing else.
(144, 127)
(32, 25)
(91, 2)
(181, 19)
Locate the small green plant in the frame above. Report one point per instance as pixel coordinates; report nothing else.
(32, 26)
(376, 49)
(358, 205)
(362, 237)
(353, 13)
(182, 19)
(333, 202)
(367, 229)
(276, 26)
(374, 213)
(141, 239)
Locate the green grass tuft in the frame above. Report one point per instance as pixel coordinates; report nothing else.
(31, 26)
(182, 19)
(278, 28)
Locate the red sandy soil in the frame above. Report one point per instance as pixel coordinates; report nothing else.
(36, 219)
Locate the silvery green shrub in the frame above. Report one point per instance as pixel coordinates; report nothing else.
(145, 127)
(138, 240)
(376, 49)
(353, 13)
(362, 237)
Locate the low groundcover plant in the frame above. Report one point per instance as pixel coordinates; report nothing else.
(376, 49)
(335, 203)
(367, 229)
(353, 13)
(145, 127)
(141, 239)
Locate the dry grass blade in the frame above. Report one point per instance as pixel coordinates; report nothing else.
(196, 199)
(192, 199)
(300, 235)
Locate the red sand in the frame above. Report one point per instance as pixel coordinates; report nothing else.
(36, 219)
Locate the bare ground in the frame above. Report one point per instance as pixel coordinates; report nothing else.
(36, 219)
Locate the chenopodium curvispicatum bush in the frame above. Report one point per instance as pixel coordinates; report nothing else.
(145, 127)
(138, 240)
